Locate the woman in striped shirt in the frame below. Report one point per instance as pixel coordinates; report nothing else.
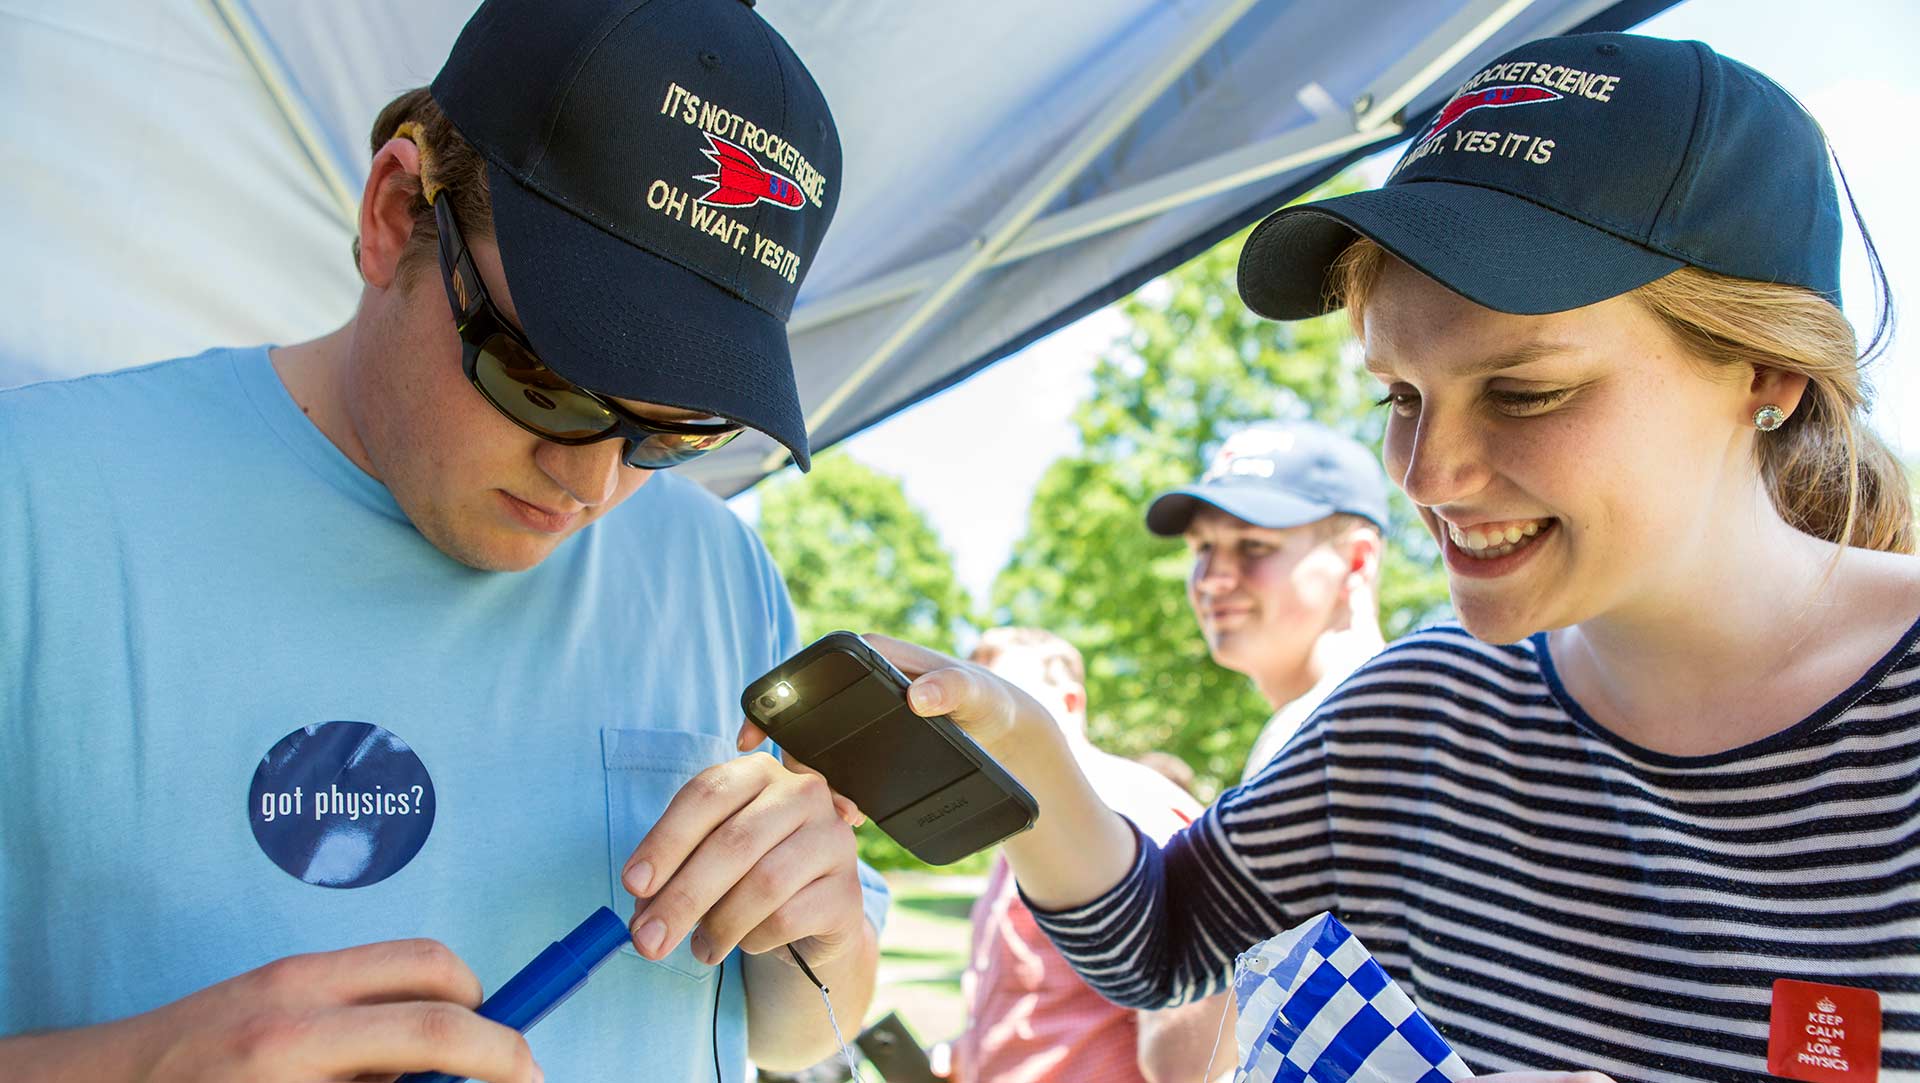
(1670, 755)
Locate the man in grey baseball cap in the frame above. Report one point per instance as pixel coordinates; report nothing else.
(1286, 529)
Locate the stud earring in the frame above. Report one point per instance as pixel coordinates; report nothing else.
(1769, 417)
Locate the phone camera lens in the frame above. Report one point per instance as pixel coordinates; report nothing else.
(768, 702)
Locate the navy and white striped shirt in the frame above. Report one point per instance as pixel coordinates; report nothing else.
(1551, 896)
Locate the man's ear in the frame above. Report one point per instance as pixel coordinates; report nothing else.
(1076, 700)
(1362, 548)
(386, 211)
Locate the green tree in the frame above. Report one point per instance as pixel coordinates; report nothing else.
(1196, 367)
(857, 555)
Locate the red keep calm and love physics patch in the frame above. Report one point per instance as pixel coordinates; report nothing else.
(1824, 1033)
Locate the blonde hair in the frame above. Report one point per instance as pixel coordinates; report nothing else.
(1057, 657)
(458, 172)
(1828, 474)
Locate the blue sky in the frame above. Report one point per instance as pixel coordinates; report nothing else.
(1850, 61)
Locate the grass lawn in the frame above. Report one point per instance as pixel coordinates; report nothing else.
(924, 951)
(922, 954)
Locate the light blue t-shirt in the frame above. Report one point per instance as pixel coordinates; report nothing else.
(190, 571)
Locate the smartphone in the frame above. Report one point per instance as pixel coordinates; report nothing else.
(841, 709)
(895, 1052)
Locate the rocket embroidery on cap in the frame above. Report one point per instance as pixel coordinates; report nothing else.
(739, 182)
(745, 140)
(1493, 97)
(742, 182)
(1521, 82)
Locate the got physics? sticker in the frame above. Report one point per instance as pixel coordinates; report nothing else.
(341, 804)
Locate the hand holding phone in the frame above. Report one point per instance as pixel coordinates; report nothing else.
(841, 709)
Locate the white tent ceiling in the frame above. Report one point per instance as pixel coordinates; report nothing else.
(184, 172)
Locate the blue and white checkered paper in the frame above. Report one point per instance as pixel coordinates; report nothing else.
(1316, 1008)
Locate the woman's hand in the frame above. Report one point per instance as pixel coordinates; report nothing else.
(994, 712)
(1078, 848)
(1000, 717)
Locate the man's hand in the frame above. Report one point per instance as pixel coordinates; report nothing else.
(377, 1010)
(756, 855)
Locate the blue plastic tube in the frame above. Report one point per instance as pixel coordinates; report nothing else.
(554, 975)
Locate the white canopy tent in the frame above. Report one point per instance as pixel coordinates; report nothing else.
(186, 173)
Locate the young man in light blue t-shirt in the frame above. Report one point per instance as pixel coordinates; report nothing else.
(339, 679)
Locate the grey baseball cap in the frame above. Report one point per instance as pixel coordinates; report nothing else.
(1281, 474)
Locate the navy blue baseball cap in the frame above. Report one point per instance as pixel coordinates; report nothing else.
(662, 172)
(1281, 474)
(1574, 169)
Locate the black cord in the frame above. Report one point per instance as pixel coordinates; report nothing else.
(807, 970)
(718, 981)
(721, 979)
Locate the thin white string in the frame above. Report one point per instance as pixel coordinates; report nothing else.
(831, 1018)
(1233, 985)
(844, 1051)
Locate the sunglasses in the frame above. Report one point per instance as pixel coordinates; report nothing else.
(502, 366)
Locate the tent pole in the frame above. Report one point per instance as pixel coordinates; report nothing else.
(1111, 211)
(1028, 203)
(1450, 43)
(246, 33)
(1446, 46)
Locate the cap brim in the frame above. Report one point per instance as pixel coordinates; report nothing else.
(623, 322)
(1495, 249)
(1170, 513)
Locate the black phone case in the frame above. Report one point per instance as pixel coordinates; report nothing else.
(923, 781)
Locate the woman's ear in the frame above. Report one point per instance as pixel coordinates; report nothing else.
(1775, 387)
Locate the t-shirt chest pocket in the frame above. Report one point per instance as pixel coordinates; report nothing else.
(644, 769)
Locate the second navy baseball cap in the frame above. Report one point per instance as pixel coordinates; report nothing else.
(1574, 169)
(1281, 474)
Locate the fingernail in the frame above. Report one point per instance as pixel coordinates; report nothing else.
(924, 697)
(638, 878)
(538, 1075)
(651, 934)
(699, 944)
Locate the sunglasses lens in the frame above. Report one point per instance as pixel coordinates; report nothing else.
(532, 394)
(662, 450)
